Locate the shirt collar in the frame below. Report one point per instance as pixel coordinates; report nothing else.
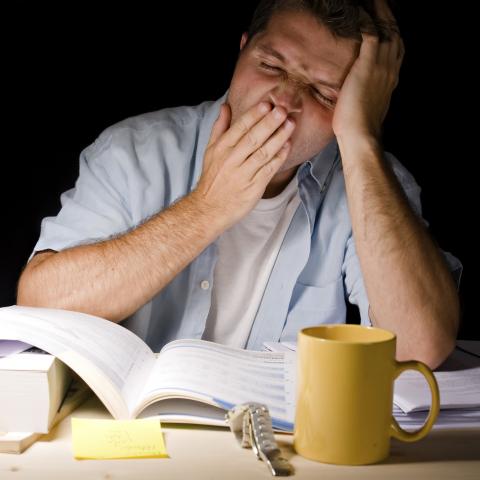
(321, 166)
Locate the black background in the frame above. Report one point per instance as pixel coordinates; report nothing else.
(71, 70)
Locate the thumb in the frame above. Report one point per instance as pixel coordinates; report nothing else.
(222, 123)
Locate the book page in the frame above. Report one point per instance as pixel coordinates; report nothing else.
(224, 376)
(113, 361)
(451, 418)
(458, 389)
(185, 410)
(11, 347)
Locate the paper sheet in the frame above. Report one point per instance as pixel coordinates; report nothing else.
(108, 439)
(10, 347)
(458, 389)
(87, 344)
(227, 376)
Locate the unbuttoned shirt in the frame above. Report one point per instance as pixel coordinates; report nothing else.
(141, 165)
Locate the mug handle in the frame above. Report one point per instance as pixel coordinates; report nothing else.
(395, 429)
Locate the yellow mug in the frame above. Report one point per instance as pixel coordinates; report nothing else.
(345, 394)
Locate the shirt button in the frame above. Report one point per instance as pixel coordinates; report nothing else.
(205, 284)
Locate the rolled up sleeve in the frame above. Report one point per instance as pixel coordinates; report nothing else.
(96, 208)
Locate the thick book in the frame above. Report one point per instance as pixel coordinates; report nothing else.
(459, 384)
(188, 381)
(458, 379)
(32, 386)
(17, 442)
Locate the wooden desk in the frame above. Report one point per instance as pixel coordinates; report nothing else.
(209, 452)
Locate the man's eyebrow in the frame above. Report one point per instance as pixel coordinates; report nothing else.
(274, 53)
(271, 51)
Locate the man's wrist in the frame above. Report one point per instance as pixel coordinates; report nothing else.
(358, 141)
(357, 148)
(215, 220)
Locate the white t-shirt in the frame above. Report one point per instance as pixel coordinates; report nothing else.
(247, 252)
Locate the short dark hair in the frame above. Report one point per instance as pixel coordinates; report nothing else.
(343, 18)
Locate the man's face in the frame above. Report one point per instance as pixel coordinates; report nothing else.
(298, 64)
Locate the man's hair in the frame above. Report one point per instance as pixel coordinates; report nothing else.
(343, 18)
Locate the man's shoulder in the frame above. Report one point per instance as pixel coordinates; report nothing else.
(179, 121)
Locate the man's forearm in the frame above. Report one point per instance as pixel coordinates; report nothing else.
(410, 289)
(114, 278)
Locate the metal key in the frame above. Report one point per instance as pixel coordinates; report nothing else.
(252, 426)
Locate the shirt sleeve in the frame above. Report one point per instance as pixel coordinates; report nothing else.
(353, 278)
(96, 208)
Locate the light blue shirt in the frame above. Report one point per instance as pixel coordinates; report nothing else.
(141, 165)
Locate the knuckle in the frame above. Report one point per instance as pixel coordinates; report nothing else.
(242, 126)
(262, 154)
(392, 77)
(371, 38)
(209, 151)
(213, 150)
(269, 169)
(251, 139)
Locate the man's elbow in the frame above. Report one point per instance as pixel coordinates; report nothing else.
(434, 358)
(432, 350)
(442, 342)
(31, 284)
(431, 355)
(438, 349)
(27, 294)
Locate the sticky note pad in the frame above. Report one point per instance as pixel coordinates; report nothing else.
(103, 438)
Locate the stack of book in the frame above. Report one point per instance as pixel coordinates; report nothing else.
(37, 390)
(458, 380)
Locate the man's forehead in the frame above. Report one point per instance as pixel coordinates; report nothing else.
(297, 38)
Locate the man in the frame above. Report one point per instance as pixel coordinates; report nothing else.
(245, 219)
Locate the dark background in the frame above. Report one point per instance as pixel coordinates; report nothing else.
(70, 71)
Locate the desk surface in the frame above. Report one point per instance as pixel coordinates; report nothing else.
(209, 452)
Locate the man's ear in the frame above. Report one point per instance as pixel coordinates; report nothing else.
(243, 40)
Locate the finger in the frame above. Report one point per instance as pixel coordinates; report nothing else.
(384, 53)
(255, 138)
(389, 49)
(221, 124)
(394, 49)
(269, 149)
(395, 54)
(243, 125)
(267, 171)
(369, 48)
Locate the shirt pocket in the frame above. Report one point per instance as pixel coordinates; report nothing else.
(311, 305)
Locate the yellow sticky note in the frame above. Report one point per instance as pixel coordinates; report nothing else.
(102, 438)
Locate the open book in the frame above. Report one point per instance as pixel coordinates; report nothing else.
(189, 381)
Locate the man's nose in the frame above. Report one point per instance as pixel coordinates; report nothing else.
(287, 94)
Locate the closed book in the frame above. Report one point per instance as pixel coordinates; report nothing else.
(32, 386)
(17, 442)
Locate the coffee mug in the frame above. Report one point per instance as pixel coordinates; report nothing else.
(345, 392)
